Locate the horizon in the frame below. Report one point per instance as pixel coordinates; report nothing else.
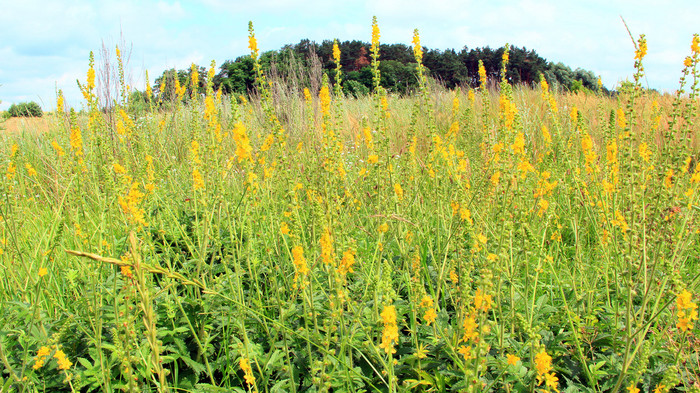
(47, 52)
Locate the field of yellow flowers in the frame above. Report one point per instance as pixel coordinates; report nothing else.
(507, 239)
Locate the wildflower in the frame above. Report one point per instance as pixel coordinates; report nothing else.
(430, 316)
(243, 148)
(284, 228)
(470, 326)
(482, 75)
(466, 351)
(126, 271)
(244, 363)
(390, 334)
(63, 362)
(336, 52)
(695, 46)
(519, 145)
(43, 272)
(41, 356)
(398, 191)
(641, 48)
(346, 263)
(574, 115)
(57, 148)
(130, 205)
(546, 135)
(326, 242)
(543, 366)
(543, 206)
(495, 178)
(197, 180)
(644, 152)
(482, 302)
(512, 359)
(383, 228)
(417, 48)
(687, 310)
(668, 180)
(252, 42)
(60, 102)
(621, 119)
(118, 169)
(325, 97)
(375, 35)
(633, 388)
(299, 263)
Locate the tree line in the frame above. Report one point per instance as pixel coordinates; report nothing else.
(305, 62)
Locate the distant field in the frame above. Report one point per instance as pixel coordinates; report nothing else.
(27, 124)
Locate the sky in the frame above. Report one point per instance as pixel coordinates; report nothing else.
(45, 44)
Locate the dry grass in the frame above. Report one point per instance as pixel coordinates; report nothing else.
(35, 125)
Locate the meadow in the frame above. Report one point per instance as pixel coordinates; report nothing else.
(503, 238)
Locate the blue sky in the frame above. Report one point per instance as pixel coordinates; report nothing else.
(45, 44)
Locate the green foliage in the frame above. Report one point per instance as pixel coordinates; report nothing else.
(25, 109)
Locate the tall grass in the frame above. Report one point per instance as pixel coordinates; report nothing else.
(512, 239)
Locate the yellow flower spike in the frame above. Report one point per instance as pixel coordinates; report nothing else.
(512, 359)
(482, 75)
(390, 334)
(641, 48)
(252, 42)
(244, 364)
(417, 48)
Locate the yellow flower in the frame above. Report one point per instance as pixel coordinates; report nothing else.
(244, 363)
(390, 334)
(551, 381)
(543, 362)
(621, 119)
(495, 178)
(336, 52)
(325, 97)
(252, 42)
(284, 228)
(197, 180)
(326, 242)
(470, 326)
(346, 263)
(383, 228)
(126, 271)
(695, 46)
(641, 48)
(430, 316)
(512, 359)
(465, 351)
(633, 388)
(687, 310)
(398, 191)
(519, 145)
(375, 35)
(482, 75)
(300, 264)
(43, 272)
(63, 362)
(482, 302)
(668, 180)
(417, 48)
